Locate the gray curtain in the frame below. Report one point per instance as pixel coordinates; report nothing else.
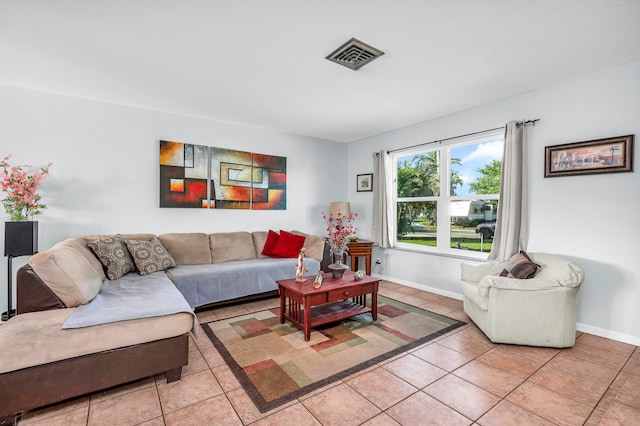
(512, 223)
(382, 200)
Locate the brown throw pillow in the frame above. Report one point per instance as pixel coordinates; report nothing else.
(150, 256)
(520, 266)
(113, 254)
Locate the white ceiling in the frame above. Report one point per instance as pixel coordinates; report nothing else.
(261, 62)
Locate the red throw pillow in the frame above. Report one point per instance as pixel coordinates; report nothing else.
(288, 245)
(272, 240)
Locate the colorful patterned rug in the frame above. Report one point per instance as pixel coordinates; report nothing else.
(275, 365)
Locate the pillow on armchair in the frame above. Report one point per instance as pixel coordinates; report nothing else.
(520, 266)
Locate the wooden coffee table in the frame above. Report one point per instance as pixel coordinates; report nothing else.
(335, 300)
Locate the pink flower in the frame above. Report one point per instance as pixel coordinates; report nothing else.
(22, 200)
(339, 228)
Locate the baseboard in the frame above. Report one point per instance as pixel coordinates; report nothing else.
(439, 291)
(608, 334)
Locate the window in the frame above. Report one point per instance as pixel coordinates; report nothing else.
(446, 195)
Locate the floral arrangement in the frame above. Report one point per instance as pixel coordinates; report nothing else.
(22, 201)
(340, 228)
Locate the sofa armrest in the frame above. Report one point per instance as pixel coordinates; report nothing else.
(475, 273)
(33, 294)
(515, 284)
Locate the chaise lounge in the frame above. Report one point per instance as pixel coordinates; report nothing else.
(52, 361)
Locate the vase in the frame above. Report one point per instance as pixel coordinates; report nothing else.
(338, 268)
(20, 238)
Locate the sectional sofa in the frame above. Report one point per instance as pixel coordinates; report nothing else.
(83, 326)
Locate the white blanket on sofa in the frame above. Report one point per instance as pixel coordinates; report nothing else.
(131, 297)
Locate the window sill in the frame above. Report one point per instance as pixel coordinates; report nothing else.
(469, 255)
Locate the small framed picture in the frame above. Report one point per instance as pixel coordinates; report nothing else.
(609, 155)
(365, 182)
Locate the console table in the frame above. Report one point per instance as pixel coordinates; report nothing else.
(360, 248)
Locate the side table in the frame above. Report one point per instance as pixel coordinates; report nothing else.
(360, 248)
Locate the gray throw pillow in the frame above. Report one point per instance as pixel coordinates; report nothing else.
(150, 256)
(113, 254)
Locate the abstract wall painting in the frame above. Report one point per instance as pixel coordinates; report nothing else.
(231, 179)
(183, 175)
(236, 179)
(269, 191)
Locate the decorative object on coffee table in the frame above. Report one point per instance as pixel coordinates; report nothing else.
(300, 268)
(340, 228)
(338, 269)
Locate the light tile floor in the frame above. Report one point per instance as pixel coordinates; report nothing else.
(460, 378)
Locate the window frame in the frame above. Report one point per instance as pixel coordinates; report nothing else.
(444, 199)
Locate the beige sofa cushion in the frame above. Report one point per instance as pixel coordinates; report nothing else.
(259, 238)
(80, 244)
(68, 274)
(187, 249)
(313, 245)
(228, 246)
(48, 342)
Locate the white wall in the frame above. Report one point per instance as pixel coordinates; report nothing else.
(105, 173)
(591, 219)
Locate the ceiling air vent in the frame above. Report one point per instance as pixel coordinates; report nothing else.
(354, 54)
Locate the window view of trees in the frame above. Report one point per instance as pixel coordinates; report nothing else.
(471, 199)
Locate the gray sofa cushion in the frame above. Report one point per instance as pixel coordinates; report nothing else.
(205, 284)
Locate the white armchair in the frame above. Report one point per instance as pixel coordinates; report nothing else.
(539, 311)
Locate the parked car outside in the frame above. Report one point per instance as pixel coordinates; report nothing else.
(487, 230)
(417, 226)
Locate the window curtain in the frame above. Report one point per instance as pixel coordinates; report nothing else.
(512, 223)
(382, 200)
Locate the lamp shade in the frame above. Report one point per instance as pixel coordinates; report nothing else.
(344, 208)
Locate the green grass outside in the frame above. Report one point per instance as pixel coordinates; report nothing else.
(473, 245)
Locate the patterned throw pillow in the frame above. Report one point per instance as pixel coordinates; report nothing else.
(113, 254)
(150, 256)
(520, 266)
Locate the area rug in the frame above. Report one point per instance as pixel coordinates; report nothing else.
(275, 365)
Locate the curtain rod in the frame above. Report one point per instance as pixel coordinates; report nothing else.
(518, 124)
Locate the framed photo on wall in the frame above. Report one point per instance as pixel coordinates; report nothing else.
(365, 182)
(610, 155)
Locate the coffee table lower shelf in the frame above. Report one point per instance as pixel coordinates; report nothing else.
(338, 298)
(328, 313)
